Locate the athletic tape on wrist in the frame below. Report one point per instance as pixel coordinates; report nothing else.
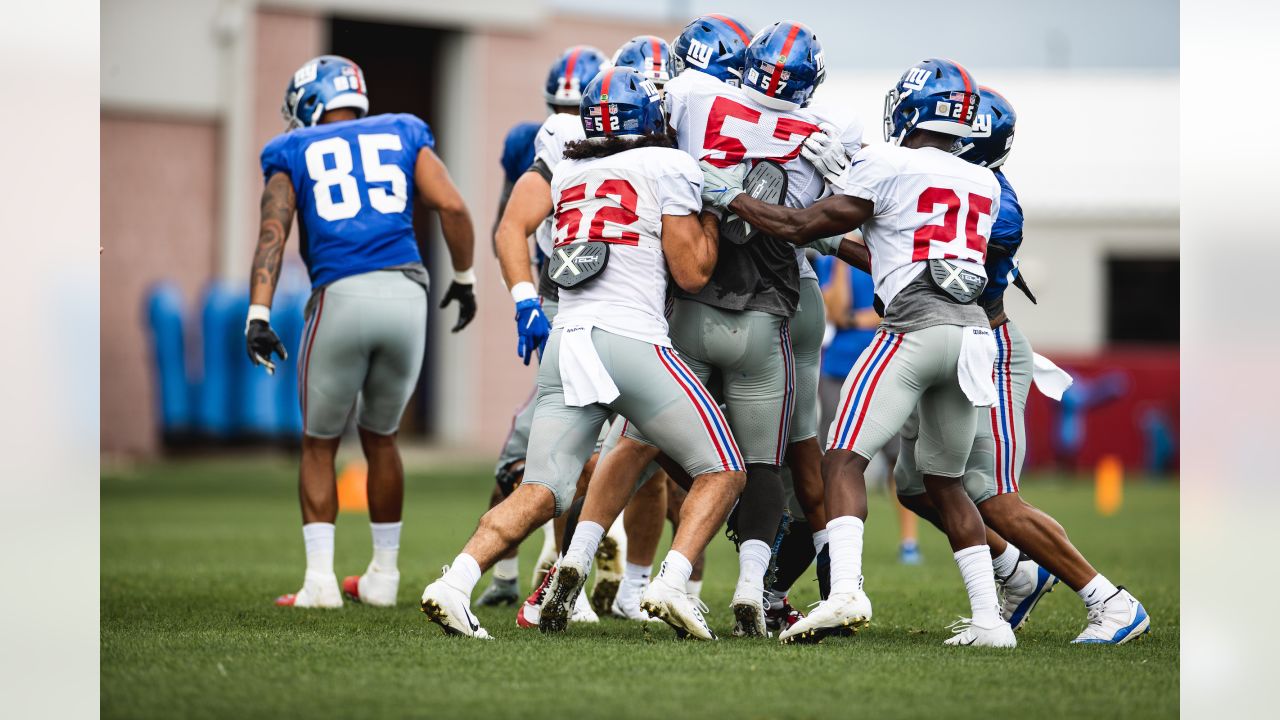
(465, 277)
(522, 291)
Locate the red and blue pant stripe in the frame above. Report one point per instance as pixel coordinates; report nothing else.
(1003, 426)
(713, 421)
(853, 409)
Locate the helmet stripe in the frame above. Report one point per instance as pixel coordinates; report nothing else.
(777, 66)
(604, 95)
(742, 33)
(657, 55)
(568, 67)
(969, 90)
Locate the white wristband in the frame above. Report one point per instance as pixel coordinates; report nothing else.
(465, 277)
(257, 312)
(522, 291)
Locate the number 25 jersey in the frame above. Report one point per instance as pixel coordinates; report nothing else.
(354, 186)
(620, 200)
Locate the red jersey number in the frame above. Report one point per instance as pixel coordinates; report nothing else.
(733, 148)
(929, 201)
(618, 210)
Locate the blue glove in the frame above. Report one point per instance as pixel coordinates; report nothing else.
(532, 326)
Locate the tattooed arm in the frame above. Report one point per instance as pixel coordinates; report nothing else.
(278, 204)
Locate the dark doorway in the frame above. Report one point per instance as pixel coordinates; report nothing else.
(1142, 300)
(399, 64)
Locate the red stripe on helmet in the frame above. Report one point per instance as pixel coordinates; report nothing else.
(777, 64)
(569, 65)
(604, 96)
(656, 47)
(968, 88)
(734, 26)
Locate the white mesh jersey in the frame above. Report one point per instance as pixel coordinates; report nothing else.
(558, 130)
(929, 204)
(717, 122)
(620, 199)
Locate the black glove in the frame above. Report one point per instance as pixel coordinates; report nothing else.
(261, 341)
(466, 297)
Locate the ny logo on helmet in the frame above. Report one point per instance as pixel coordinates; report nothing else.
(699, 54)
(982, 126)
(915, 78)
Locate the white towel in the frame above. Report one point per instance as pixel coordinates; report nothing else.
(1051, 380)
(584, 377)
(976, 365)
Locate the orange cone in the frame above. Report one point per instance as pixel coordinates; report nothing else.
(1109, 485)
(353, 490)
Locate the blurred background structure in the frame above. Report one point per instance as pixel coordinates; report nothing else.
(191, 92)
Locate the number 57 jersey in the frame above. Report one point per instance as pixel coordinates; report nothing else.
(620, 199)
(354, 186)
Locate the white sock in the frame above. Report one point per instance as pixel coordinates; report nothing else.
(844, 535)
(1098, 590)
(819, 540)
(507, 569)
(463, 574)
(675, 569)
(318, 539)
(1006, 562)
(386, 544)
(753, 563)
(586, 538)
(694, 588)
(980, 582)
(636, 574)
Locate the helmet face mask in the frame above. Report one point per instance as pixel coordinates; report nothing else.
(328, 82)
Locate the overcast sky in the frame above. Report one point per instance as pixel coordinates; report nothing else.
(1078, 34)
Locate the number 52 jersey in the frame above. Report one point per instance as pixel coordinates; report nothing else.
(354, 184)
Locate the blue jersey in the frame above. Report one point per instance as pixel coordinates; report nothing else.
(1006, 238)
(355, 189)
(517, 150)
(847, 344)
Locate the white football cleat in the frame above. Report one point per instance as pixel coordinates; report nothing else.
(839, 611)
(967, 634)
(1117, 620)
(626, 604)
(375, 587)
(609, 561)
(582, 611)
(450, 608)
(677, 609)
(562, 596)
(318, 591)
(1022, 590)
(748, 612)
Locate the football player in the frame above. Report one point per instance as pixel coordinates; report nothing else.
(934, 348)
(626, 219)
(648, 55)
(351, 177)
(995, 462)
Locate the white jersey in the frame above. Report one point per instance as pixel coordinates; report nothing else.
(929, 204)
(558, 130)
(717, 122)
(620, 199)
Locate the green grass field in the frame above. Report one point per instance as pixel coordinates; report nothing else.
(193, 553)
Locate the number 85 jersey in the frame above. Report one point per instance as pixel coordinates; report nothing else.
(620, 199)
(354, 185)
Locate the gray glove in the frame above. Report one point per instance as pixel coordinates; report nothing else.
(721, 185)
(826, 246)
(826, 154)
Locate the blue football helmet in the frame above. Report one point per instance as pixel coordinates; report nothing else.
(783, 66)
(648, 55)
(934, 94)
(714, 44)
(569, 74)
(325, 83)
(621, 101)
(992, 137)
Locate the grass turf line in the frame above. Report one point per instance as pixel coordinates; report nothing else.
(193, 553)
